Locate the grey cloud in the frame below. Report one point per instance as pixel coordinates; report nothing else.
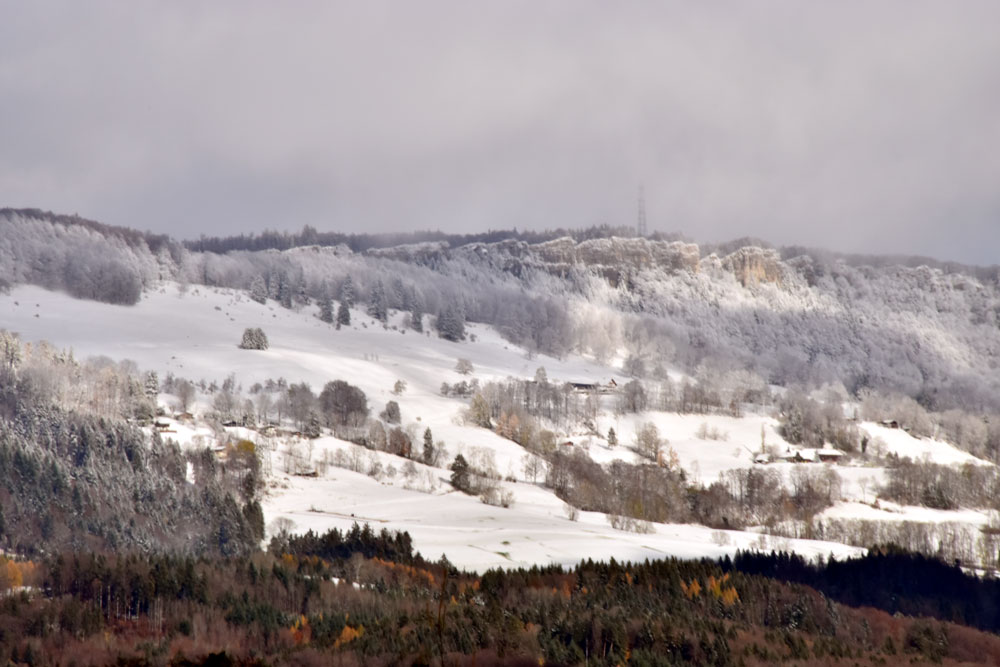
(856, 126)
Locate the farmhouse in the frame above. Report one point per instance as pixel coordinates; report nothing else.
(829, 455)
(811, 455)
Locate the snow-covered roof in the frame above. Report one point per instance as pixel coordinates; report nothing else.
(829, 452)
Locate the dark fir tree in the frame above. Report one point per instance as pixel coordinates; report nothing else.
(400, 297)
(326, 308)
(378, 304)
(451, 322)
(417, 314)
(347, 292)
(301, 291)
(284, 291)
(428, 446)
(460, 476)
(343, 315)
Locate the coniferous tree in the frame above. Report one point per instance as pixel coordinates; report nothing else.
(258, 289)
(428, 446)
(284, 291)
(417, 315)
(451, 323)
(400, 297)
(347, 292)
(343, 315)
(460, 474)
(300, 292)
(378, 305)
(326, 309)
(152, 385)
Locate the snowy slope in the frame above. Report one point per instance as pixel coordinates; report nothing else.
(194, 334)
(899, 442)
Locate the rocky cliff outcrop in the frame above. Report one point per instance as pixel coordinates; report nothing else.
(636, 253)
(611, 257)
(753, 265)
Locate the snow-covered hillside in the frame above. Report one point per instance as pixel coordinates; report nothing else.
(194, 333)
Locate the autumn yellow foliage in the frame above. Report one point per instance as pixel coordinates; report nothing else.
(348, 634)
(15, 573)
(728, 596)
(692, 590)
(413, 572)
(301, 631)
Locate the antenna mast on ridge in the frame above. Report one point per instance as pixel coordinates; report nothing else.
(641, 225)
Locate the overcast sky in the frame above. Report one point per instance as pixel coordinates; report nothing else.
(858, 126)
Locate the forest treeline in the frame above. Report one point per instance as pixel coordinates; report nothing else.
(364, 597)
(274, 240)
(78, 472)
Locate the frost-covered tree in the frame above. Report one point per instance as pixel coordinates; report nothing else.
(326, 308)
(151, 385)
(254, 338)
(281, 289)
(399, 296)
(300, 291)
(451, 322)
(348, 294)
(378, 304)
(343, 315)
(10, 352)
(417, 315)
(258, 289)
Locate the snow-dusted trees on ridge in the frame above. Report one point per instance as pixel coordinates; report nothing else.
(927, 332)
(84, 258)
(378, 305)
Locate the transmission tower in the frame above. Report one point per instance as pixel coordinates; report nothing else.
(640, 227)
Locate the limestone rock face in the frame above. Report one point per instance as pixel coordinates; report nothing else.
(753, 265)
(612, 258)
(635, 253)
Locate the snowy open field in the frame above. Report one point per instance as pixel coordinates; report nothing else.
(194, 334)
